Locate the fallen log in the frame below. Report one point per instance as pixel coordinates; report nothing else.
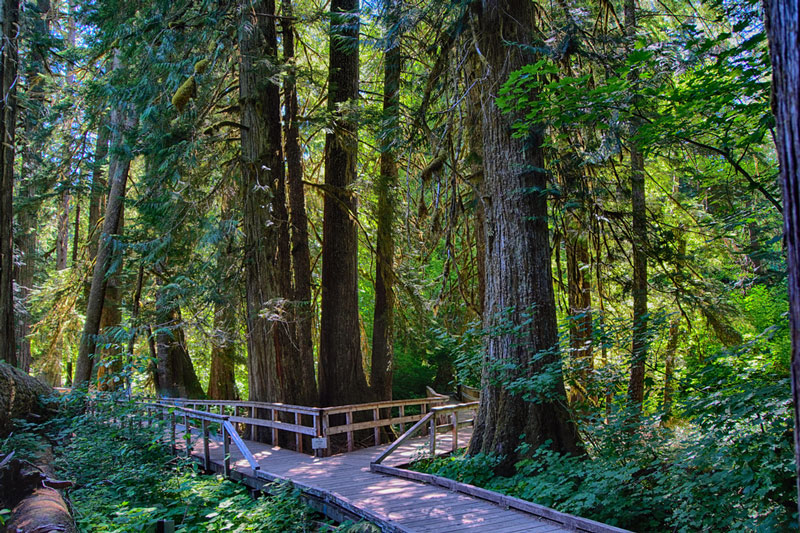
(20, 396)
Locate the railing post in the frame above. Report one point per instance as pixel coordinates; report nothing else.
(206, 455)
(172, 432)
(252, 426)
(402, 413)
(226, 451)
(455, 431)
(376, 415)
(274, 430)
(433, 436)
(298, 437)
(348, 417)
(326, 423)
(187, 434)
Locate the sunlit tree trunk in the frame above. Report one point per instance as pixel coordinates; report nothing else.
(383, 322)
(9, 18)
(341, 374)
(118, 177)
(518, 273)
(783, 29)
(639, 242)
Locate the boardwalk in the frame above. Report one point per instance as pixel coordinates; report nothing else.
(393, 503)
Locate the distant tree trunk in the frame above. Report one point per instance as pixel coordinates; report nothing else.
(518, 272)
(96, 194)
(639, 242)
(221, 380)
(76, 232)
(176, 375)
(118, 176)
(9, 19)
(306, 393)
(383, 322)
(110, 318)
(783, 29)
(262, 169)
(669, 370)
(341, 373)
(62, 237)
(31, 156)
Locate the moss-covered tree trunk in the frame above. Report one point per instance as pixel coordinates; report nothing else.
(20, 396)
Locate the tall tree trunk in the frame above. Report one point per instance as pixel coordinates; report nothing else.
(118, 177)
(306, 393)
(341, 373)
(262, 169)
(383, 322)
(221, 380)
(62, 238)
(97, 189)
(783, 29)
(31, 156)
(640, 322)
(111, 317)
(9, 19)
(518, 273)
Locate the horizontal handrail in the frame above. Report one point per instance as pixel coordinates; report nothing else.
(429, 418)
(338, 409)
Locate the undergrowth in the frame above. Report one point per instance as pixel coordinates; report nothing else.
(125, 479)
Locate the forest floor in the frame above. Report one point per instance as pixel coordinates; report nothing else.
(127, 481)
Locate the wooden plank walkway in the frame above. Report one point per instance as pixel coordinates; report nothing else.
(395, 504)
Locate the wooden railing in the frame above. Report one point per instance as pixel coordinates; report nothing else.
(446, 417)
(319, 423)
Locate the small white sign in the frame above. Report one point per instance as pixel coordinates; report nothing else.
(319, 443)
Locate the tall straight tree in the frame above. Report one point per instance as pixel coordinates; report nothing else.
(262, 170)
(31, 159)
(383, 322)
(783, 29)
(519, 306)
(118, 177)
(341, 373)
(305, 385)
(639, 242)
(9, 21)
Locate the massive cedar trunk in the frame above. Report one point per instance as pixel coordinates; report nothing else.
(8, 118)
(639, 243)
(262, 169)
(31, 158)
(176, 377)
(783, 29)
(383, 322)
(306, 385)
(118, 177)
(519, 310)
(341, 373)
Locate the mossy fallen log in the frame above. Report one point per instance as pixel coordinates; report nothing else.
(20, 397)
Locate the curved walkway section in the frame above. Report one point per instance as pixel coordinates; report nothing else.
(394, 504)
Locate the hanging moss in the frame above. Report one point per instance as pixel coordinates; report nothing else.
(185, 92)
(201, 66)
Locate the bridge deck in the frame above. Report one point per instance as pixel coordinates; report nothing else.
(398, 504)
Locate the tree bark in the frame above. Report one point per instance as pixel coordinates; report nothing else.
(19, 396)
(639, 244)
(383, 321)
(176, 375)
(302, 308)
(783, 29)
(341, 373)
(31, 157)
(62, 238)
(262, 171)
(519, 313)
(8, 119)
(118, 176)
